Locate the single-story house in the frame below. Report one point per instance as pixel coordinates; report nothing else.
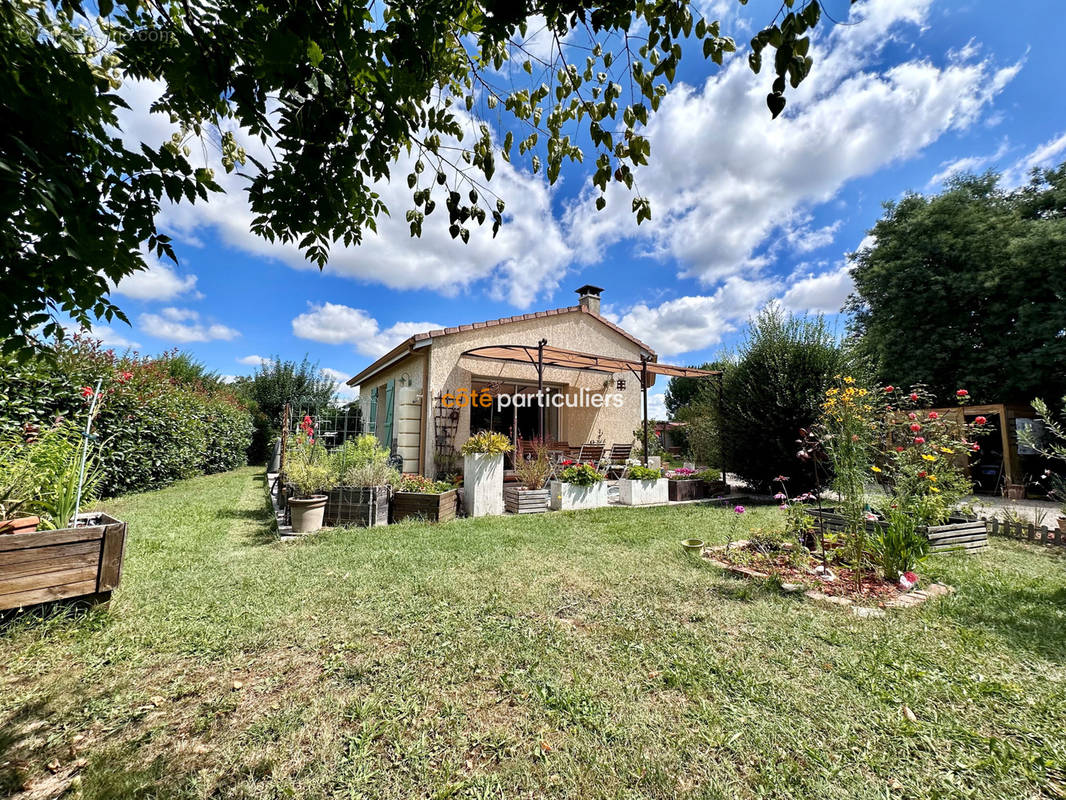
(417, 398)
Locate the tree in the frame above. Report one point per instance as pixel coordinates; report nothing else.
(336, 92)
(967, 288)
(694, 401)
(773, 389)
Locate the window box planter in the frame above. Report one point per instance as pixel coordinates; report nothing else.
(425, 506)
(642, 493)
(307, 513)
(959, 532)
(570, 496)
(363, 506)
(483, 484)
(520, 500)
(43, 566)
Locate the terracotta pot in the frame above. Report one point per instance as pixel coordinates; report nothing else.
(307, 512)
(19, 525)
(1062, 524)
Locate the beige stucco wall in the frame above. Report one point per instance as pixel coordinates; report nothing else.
(449, 372)
(407, 408)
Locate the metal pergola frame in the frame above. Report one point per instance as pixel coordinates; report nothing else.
(541, 355)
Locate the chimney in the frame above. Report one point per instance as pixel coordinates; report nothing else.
(589, 298)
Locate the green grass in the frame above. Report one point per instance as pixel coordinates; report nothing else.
(570, 655)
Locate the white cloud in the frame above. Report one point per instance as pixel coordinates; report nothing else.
(820, 294)
(967, 164)
(724, 178)
(1048, 154)
(524, 261)
(254, 360)
(804, 239)
(345, 393)
(333, 323)
(106, 335)
(183, 325)
(693, 323)
(657, 405)
(158, 282)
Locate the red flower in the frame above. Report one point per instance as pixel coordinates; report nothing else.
(86, 391)
(919, 440)
(915, 427)
(914, 397)
(976, 447)
(890, 388)
(962, 393)
(899, 448)
(922, 474)
(933, 415)
(912, 415)
(980, 421)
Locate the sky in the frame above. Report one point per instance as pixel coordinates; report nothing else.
(746, 210)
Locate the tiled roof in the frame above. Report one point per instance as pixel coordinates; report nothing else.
(491, 323)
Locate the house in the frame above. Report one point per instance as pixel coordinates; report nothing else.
(426, 396)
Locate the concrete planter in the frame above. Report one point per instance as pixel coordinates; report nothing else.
(642, 493)
(483, 484)
(569, 496)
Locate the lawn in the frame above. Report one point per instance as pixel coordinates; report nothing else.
(570, 655)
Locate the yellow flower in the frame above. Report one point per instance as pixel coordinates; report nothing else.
(947, 450)
(934, 489)
(928, 457)
(876, 469)
(849, 379)
(932, 478)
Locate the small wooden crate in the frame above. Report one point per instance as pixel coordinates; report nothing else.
(519, 500)
(425, 506)
(45, 566)
(363, 506)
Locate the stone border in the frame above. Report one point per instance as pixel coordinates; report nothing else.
(911, 599)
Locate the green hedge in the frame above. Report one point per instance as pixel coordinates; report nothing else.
(154, 428)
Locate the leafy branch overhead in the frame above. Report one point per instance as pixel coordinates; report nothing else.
(330, 96)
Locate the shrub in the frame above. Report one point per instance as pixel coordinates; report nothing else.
(422, 485)
(640, 473)
(486, 442)
(152, 425)
(363, 462)
(709, 475)
(580, 475)
(309, 477)
(772, 391)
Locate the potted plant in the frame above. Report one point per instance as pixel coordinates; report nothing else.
(483, 473)
(684, 483)
(529, 496)
(417, 497)
(307, 506)
(363, 482)
(578, 486)
(643, 486)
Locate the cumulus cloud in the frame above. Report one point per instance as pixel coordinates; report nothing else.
(183, 325)
(106, 335)
(823, 293)
(159, 282)
(345, 393)
(334, 323)
(967, 164)
(724, 177)
(254, 360)
(524, 261)
(1049, 154)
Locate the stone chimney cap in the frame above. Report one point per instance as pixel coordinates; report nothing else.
(589, 289)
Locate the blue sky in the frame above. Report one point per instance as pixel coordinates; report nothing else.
(745, 210)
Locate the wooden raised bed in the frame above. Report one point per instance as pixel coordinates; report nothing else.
(44, 566)
(363, 506)
(696, 489)
(520, 500)
(425, 506)
(962, 532)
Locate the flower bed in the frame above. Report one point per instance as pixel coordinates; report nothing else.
(44, 566)
(958, 532)
(424, 499)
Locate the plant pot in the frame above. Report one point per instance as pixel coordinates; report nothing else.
(483, 484)
(425, 506)
(307, 512)
(642, 493)
(1062, 524)
(19, 525)
(1015, 491)
(692, 545)
(570, 496)
(523, 500)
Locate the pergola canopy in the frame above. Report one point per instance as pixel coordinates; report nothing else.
(571, 359)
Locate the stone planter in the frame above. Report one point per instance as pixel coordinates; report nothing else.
(570, 496)
(959, 533)
(425, 506)
(522, 500)
(83, 563)
(362, 506)
(483, 484)
(642, 493)
(307, 513)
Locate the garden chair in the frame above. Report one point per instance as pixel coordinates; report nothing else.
(590, 453)
(618, 460)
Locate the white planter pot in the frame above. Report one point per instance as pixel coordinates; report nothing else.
(642, 493)
(483, 484)
(568, 496)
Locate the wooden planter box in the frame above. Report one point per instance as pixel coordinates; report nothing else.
(68, 563)
(962, 532)
(520, 500)
(425, 506)
(687, 490)
(363, 506)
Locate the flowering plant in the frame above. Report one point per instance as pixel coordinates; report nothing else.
(682, 474)
(580, 475)
(420, 484)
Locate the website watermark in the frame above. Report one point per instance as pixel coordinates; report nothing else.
(484, 398)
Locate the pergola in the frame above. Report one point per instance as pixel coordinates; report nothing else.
(541, 355)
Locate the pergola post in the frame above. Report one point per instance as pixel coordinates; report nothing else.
(644, 393)
(540, 388)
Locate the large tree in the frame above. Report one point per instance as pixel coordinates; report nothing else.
(337, 90)
(967, 289)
